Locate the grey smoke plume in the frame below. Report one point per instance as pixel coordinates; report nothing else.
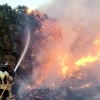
(80, 24)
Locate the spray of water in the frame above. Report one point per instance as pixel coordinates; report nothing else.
(24, 51)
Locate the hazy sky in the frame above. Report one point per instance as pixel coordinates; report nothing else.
(28, 3)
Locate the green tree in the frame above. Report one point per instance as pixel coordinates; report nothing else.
(12, 25)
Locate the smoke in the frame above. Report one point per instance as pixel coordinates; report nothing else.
(79, 21)
(80, 25)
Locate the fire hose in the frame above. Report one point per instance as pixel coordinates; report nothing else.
(17, 65)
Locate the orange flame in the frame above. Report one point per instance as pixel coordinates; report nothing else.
(64, 69)
(62, 63)
(86, 85)
(97, 42)
(29, 10)
(84, 60)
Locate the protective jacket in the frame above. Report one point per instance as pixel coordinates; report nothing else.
(4, 79)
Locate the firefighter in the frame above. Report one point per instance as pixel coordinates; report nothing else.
(5, 82)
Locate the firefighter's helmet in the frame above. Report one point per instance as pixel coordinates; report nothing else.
(4, 64)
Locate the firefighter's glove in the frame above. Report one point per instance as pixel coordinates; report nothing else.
(12, 74)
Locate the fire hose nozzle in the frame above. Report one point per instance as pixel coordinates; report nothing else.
(12, 74)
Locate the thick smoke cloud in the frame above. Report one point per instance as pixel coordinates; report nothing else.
(80, 23)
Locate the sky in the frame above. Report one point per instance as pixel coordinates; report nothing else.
(29, 3)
